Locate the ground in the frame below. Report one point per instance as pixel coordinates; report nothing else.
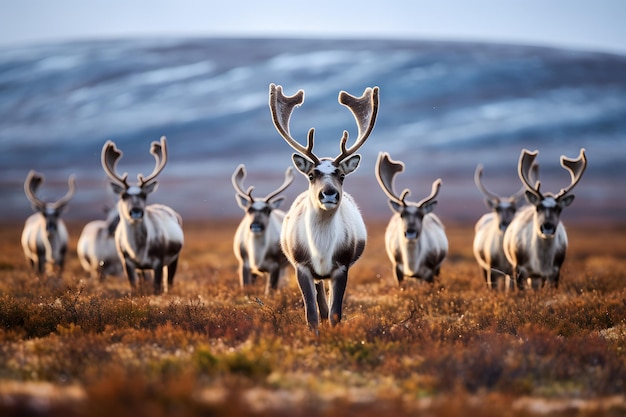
(74, 346)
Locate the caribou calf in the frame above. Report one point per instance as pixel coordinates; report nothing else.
(489, 232)
(415, 238)
(96, 248)
(44, 238)
(257, 239)
(535, 242)
(323, 233)
(148, 237)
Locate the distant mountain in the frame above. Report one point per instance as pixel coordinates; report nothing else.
(444, 108)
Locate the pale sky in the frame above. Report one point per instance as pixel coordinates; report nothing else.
(580, 24)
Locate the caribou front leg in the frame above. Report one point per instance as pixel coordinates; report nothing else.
(337, 291)
(308, 289)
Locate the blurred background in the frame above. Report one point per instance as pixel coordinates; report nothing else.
(460, 84)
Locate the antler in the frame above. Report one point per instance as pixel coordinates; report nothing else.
(237, 180)
(478, 174)
(524, 167)
(71, 183)
(281, 107)
(31, 184)
(364, 109)
(576, 167)
(110, 156)
(35, 179)
(286, 183)
(159, 151)
(433, 193)
(386, 170)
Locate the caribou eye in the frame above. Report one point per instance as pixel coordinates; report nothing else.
(342, 177)
(311, 177)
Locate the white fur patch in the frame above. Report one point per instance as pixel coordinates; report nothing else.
(326, 167)
(549, 202)
(133, 190)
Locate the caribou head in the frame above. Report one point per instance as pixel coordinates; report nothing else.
(411, 213)
(50, 210)
(504, 207)
(133, 197)
(258, 209)
(549, 206)
(325, 175)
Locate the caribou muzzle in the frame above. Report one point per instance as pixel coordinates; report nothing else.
(548, 229)
(136, 213)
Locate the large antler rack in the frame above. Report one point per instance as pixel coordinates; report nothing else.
(240, 174)
(159, 151)
(527, 169)
(478, 174)
(109, 158)
(576, 168)
(387, 169)
(364, 109)
(35, 179)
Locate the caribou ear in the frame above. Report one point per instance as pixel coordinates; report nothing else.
(275, 203)
(117, 189)
(566, 200)
(242, 201)
(302, 164)
(350, 164)
(428, 207)
(150, 187)
(532, 198)
(395, 206)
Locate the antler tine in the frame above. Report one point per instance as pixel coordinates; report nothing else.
(526, 161)
(281, 107)
(110, 156)
(288, 180)
(478, 180)
(364, 109)
(576, 168)
(386, 170)
(71, 182)
(31, 184)
(159, 151)
(534, 178)
(237, 179)
(433, 193)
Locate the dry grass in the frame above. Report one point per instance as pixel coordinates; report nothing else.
(73, 346)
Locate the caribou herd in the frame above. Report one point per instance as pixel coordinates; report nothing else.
(322, 234)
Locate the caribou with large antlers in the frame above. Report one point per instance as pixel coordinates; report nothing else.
(535, 242)
(257, 239)
(96, 247)
(149, 237)
(415, 238)
(489, 232)
(44, 238)
(323, 232)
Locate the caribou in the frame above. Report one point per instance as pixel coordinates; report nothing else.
(489, 232)
(535, 242)
(257, 239)
(45, 237)
(148, 237)
(96, 247)
(323, 232)
(415, 238)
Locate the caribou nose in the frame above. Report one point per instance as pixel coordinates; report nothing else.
(51, 227)
(136, 213)
(329, 195)
(256, 227)
(410, 233)
(548, 228)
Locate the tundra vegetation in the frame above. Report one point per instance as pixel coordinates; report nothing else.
(75, 346)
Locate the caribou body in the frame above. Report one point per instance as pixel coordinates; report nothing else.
(489, 232)
(257, 239)
(323, 232)
(535, 242)
(148, 237)
(45, 237)
(96, 247)
(415, 238)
